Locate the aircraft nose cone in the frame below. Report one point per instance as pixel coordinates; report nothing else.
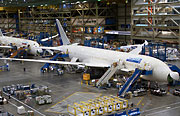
(175, 75)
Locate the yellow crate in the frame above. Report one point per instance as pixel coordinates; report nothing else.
(86, 76)
(1, 8)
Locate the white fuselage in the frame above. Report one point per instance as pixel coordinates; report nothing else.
(34, 46)
(101, 56)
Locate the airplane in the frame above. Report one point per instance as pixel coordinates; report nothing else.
(102, 58)
(5, 42)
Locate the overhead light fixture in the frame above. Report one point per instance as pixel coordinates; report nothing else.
(45, 4)
(126, 1)
(29, 6)
(41, 5)
(33, 6)
(84, 1)
(63, 1)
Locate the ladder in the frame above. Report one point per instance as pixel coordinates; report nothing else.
(107, 75)
(127, 86)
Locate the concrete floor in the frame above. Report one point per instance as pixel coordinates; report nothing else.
(66, 85)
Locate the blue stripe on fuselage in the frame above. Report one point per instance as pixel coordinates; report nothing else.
(135, 60)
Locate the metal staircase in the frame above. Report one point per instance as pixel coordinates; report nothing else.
(107, 75)
(58, 55)
(128, 85)
(20, 51)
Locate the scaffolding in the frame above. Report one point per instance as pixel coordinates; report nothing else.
(8, 20)
(155, 20)
(83, 19)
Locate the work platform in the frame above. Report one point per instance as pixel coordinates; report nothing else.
(55, 58)
(19, 52)
(145, 69)
(128, 85)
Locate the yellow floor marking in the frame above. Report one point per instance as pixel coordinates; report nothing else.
(59, 102)
(67, 98)
(140, 101)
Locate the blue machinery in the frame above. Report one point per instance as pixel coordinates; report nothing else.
(174, 68)
(157, 53)
(58, 55)
(45, 43)
(42, 36)
(128, 85)
(4, 67)
(131, 112)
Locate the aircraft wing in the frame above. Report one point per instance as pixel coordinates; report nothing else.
(8, 47)
(96, 65)
(44, 61)
(49, 48)
(46, 39)
(138, 49)
(59, 62)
